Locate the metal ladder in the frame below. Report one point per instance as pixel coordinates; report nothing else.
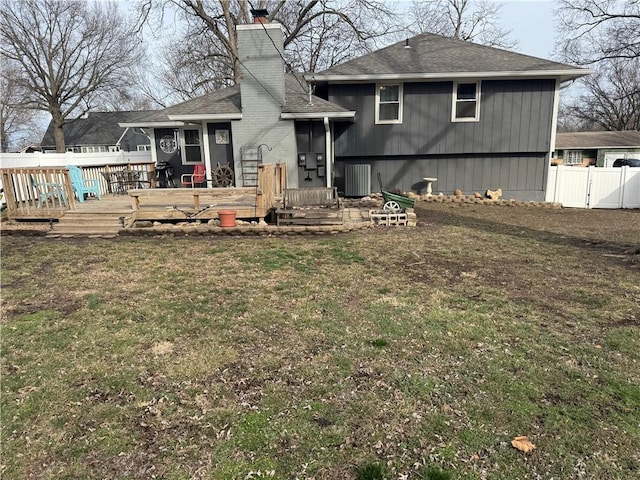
(250, 158)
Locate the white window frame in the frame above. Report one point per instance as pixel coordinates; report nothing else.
(94, 149)
(454, 102)
(114, 148)
(572, 157)
(143, 148)
(184, 145)
(399, 102)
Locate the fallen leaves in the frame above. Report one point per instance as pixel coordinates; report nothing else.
(523, 444)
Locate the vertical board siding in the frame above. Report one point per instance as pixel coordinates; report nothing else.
(515, 117)
(519, 176)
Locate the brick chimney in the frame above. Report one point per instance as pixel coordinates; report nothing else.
(260, 15)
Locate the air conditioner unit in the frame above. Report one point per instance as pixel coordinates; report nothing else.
(357, 180)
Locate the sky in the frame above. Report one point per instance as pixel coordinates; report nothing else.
(532, 24)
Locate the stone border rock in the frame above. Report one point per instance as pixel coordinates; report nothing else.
(470, 199)
(203, 229)
(375, 201)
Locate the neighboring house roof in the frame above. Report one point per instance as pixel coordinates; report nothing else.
(226, 104)
(32, 147)
(597, 140)
(98, 128)
(430, 56)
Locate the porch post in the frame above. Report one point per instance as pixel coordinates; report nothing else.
(328, 156)
(207, 153)
(152, 138)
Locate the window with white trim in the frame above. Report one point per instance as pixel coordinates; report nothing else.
(144, 148)
(466, 102)
(114, 148)
(389, 103)
(572, 157)
(192, 146)
(93, 149)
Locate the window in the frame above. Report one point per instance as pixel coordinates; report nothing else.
(466, 102)
(572, 157)
(144, 148)
(114, 148)
(93, 149)
(192, 147)
(389, 103)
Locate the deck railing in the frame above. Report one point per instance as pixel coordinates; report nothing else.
(46, 192)
(37, 192)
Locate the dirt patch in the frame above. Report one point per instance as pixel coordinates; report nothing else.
(63, 303)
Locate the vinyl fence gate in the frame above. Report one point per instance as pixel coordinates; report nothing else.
(594, 187)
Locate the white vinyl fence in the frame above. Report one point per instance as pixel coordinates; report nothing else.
(594, 187)
(38, 159)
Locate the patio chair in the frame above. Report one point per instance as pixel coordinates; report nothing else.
(198, 176)
(82, 186)
(48, 191)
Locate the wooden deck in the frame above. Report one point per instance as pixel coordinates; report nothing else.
(205, 203)
(28, 199)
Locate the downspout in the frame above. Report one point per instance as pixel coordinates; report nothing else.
(328, 151)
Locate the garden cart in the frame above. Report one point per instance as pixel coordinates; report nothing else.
(394, 202)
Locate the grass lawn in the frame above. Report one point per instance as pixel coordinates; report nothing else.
(382, 354)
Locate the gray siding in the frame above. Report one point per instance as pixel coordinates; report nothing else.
(220, 153)
(521, 177)
(310, 139)
(515, 117)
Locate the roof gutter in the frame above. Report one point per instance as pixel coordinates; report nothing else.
(191, 117)
(317, 115)
(564, 75)
(167, 124)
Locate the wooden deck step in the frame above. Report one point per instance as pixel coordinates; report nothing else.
(94, 218)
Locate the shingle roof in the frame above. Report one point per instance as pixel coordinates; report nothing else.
(225, 101)
(228, 101)
(585, 140)
(437, 55)
(297, 98)
(98, 128)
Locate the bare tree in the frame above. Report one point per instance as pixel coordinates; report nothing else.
(70, 53)
(611, 98)
(318, 34)
(595, 30)
(17, 123)
(469, 20)
(605, 35)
